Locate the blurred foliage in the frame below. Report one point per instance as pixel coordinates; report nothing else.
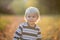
(5, 7)
(50, 7)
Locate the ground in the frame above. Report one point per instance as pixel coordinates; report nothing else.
(47, 23)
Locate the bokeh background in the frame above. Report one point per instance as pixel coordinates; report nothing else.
(12, 14)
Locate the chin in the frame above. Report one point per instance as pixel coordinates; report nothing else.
(32, 22)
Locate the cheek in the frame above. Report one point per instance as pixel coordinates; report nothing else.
(27, 18)
(35, 18)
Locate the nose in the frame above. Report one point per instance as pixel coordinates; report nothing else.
(31, 18)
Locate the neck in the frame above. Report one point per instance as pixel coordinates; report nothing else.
(31, 25)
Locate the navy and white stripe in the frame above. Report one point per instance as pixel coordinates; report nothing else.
(28, 33)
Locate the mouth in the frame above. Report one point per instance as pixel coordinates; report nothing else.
(31, 21)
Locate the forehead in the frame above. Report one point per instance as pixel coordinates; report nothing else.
(31, 14)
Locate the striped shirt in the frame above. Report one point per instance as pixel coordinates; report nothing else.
(25, 32)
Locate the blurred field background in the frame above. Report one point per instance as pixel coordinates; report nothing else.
(12, 14)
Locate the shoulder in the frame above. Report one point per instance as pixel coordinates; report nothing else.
(37, 27)
(23, 24)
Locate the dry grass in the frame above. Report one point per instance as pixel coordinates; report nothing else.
(49, 26)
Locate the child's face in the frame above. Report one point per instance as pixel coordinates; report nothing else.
(31, 18)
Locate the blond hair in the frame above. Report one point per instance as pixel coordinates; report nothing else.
(31, 10)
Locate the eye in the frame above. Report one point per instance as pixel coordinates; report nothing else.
(29, 16)
(33, 16)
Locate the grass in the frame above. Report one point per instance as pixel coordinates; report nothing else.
(3, 23)
(49, 25)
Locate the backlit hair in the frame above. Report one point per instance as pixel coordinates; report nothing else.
(31, 10)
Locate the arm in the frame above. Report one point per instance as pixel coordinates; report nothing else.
(39, 36)
(18, 34)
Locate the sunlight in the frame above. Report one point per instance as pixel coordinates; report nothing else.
(25, 1)
(30, 3)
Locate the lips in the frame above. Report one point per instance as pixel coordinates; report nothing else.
(31, 21)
